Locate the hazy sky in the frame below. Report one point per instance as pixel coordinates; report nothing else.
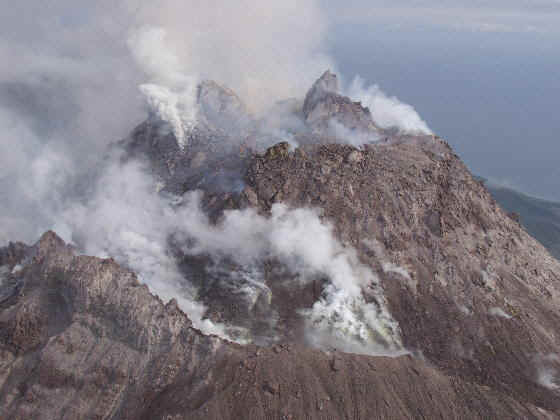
(484, 75)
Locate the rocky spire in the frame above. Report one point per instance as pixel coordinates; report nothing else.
(325, 108)
(327, 83)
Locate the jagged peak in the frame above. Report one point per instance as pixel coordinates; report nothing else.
(324, 106)
(328, 82)
(50, 244)
(50, 240)
(324, 85)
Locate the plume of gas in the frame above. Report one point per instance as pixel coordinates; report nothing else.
(387, 111)
(33, 181)
(495, 311)
(356, 138)
(126, 219)
(171, 93)
(75, 69)
(265, 50)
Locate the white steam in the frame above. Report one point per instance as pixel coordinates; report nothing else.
(127, 220)
(75, 69)
(387, 111)
(304, 244)
(393, 268)
(547, 372)
(33, 180)
(355, 138)
(264, 50)
(495, 311)
(171, 93)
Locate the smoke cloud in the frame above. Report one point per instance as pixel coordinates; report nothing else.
(81, 75)
(299, 240)
(495, 311)
(387, 111)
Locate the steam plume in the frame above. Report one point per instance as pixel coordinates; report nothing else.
(387, 111)
(171, 95)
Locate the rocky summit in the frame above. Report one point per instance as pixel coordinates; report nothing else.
(325, 107)
(352, 279)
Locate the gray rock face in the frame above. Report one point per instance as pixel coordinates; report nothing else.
(83, 339)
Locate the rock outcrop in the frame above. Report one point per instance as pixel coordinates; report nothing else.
(325, 109)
